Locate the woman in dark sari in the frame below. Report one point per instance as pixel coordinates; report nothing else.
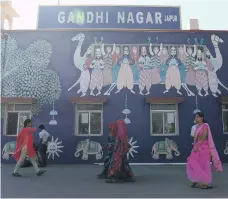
(119, 168)
(110, 147)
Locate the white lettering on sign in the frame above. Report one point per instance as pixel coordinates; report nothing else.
(99, 17)
(120, 17)
(70, 18)
(171, 18)
(139, 17)
(130, 18)
(158, 18)
(149, 18)
(61, 17)
(89, 17)
(106, 17)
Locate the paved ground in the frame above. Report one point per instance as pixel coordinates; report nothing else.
(79, 181)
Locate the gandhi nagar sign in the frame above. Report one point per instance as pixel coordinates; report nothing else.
(109, 17)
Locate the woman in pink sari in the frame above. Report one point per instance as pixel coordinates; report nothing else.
(198, 163)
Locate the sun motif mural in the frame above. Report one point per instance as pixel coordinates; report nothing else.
(132, 149)
(54, 147)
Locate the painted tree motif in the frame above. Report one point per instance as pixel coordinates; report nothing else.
(25, 73)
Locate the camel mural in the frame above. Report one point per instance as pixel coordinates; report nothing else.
(81, 63)
(216, 64)
(144, 65)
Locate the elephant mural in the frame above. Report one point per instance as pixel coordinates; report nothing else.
(87, 147)
(8, 150)
(165, 147)
(226, 148)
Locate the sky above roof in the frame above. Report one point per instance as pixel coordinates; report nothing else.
(212, 14)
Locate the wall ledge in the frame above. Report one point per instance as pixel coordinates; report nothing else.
(18, 100)
(89, 99)
(165, 100)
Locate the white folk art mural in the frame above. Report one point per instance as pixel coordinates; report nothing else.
(165, 147)
(126, 65)
(54, 148)
(87, 147)
(226, 148)
(132, 149)
(53, 113)
(126, 112)
(8, 150)
(25, 72)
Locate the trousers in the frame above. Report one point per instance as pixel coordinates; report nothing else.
(24, 153)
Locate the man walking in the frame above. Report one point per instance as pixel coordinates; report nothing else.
(24, 147)
(44, 139)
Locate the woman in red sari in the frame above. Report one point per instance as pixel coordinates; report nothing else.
(198, 163)
(24, 147)
(119, 168)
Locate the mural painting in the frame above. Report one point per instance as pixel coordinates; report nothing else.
(82, 64)
(54, 147)
(8, 150)
(126, 65)
(53, 113)
(132, 149)
(126, 112)
(108, 68)
(19, 65)
(165, 147)
(87, 147)
(226, 148)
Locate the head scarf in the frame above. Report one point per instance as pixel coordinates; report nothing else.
(122, 135)
(113, 128)
(122, 130)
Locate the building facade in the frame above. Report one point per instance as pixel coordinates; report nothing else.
(76, 83)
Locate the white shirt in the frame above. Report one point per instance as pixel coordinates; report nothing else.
(44, 135)
(193, 130)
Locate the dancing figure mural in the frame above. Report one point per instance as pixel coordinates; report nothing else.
(155, 53)
(97, 73)
(164, 57)
(107, 58)
(201, 72)
(125, 76)
(145, 78)
(126, 65)
(173, 77)
(190, 60)
(183, 69)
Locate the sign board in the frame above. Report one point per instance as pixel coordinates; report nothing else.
(109, 17)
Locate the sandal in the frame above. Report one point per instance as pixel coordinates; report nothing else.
(206, 187)
(16, 175)
(40, 173)
(130, 179)
(193, 184)
(100, 177)
(110, 181)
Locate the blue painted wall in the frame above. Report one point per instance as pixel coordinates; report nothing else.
(61, 62)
